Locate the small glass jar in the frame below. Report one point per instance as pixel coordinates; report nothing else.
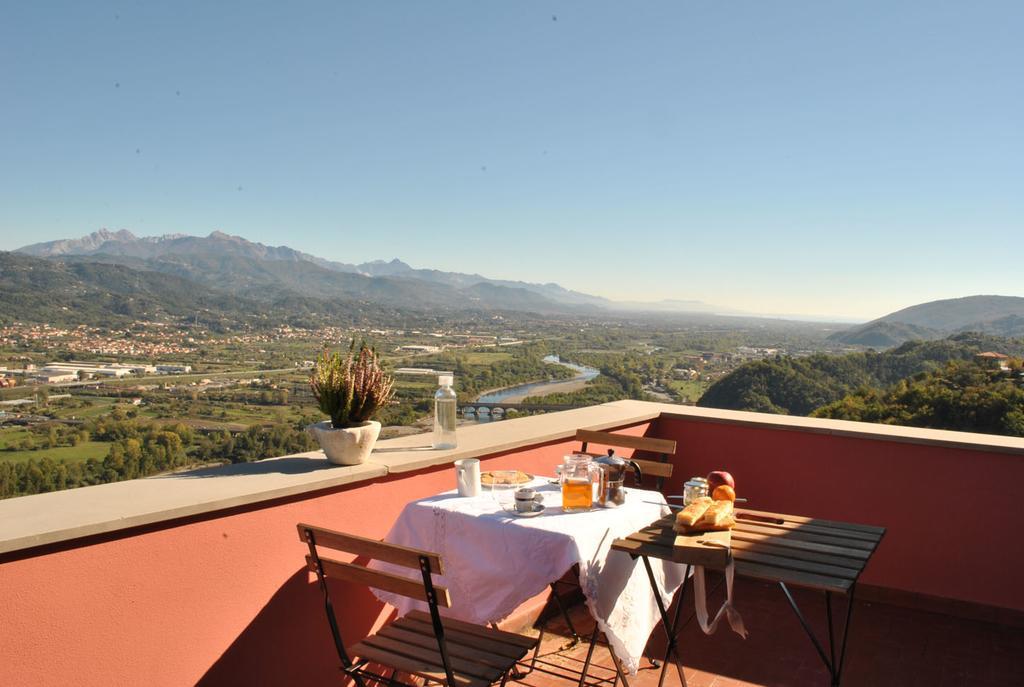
(694, 489)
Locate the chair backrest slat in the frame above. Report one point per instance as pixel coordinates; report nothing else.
(371, 548)
(651, 444)
(654, 468)
(377, 579)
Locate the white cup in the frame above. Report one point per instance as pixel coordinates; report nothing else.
(467, 476)
(527, 500)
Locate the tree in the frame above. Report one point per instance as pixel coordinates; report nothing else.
(963, 396)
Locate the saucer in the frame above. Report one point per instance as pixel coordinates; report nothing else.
(538, 508)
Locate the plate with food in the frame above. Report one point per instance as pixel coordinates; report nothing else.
(504, 478)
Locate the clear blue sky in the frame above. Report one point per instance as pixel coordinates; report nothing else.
(842, 158)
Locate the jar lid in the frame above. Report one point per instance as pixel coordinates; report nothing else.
(699, 479)
(697, 483)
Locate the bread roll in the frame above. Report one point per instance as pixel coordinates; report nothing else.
(726, 524)
(717, 515)
(693, 512)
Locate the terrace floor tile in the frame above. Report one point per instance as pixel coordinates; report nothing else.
(889, 646)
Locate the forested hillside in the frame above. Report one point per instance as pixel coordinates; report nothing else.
(963, 395)
(798, 386)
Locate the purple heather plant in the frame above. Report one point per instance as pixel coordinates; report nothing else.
(352, 389)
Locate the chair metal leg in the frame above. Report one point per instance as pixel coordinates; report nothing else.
(565, 615)
(536, 652)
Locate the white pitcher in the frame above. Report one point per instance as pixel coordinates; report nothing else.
(467, 476)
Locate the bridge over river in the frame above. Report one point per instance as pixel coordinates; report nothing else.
(499, 408)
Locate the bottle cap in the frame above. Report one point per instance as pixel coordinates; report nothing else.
(445, 380)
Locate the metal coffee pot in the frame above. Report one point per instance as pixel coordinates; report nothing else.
(611, 490)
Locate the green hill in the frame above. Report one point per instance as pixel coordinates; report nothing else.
(797, 386)
(963, 396)
(999, 315)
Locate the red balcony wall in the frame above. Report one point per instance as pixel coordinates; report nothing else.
(973, 555)
(221, 600)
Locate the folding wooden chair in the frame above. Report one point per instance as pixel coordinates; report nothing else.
(660, 469)
(454, 653)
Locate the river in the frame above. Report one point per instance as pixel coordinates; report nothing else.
(513, 393)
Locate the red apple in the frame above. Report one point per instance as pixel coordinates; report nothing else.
(718, 478)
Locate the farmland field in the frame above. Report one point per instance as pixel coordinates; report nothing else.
(72, 454)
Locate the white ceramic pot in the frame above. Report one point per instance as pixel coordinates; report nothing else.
(348, 445)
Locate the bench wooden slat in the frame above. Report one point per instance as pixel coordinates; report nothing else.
(668, 521)
(801, 545)
(787, 525)
(712, 558)
(660, 537)
(461, 666)
(379, 580)
(871, 529)
(414, 666)
(766, 547)
(652, 444)
(371, 548)
(785, 535)
(470, 628)
(660, 534)
(803, 579)
(748, 556)
(640, 548)
(660, 540)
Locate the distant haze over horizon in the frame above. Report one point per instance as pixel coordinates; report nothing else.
(834, 161)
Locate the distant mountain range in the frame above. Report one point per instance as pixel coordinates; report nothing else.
(224, 271)
(996, 315)
(236, 266)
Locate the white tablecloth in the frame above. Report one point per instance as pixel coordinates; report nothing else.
(494, 561)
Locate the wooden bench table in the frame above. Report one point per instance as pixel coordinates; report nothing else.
(823, 555)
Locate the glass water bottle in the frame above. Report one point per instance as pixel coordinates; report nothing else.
(444, 413)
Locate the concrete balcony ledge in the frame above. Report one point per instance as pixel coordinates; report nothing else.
(51, 518)
(54, 517)
(844, 428)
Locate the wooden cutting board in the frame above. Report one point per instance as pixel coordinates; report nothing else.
(710, 549)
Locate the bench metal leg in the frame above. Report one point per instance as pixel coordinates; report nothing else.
(590, 655)
(835, 670)
(619, 674)
(671, 629)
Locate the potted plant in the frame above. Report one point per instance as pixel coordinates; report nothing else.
(349, 390)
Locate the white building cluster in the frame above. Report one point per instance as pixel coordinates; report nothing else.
(60, 373)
